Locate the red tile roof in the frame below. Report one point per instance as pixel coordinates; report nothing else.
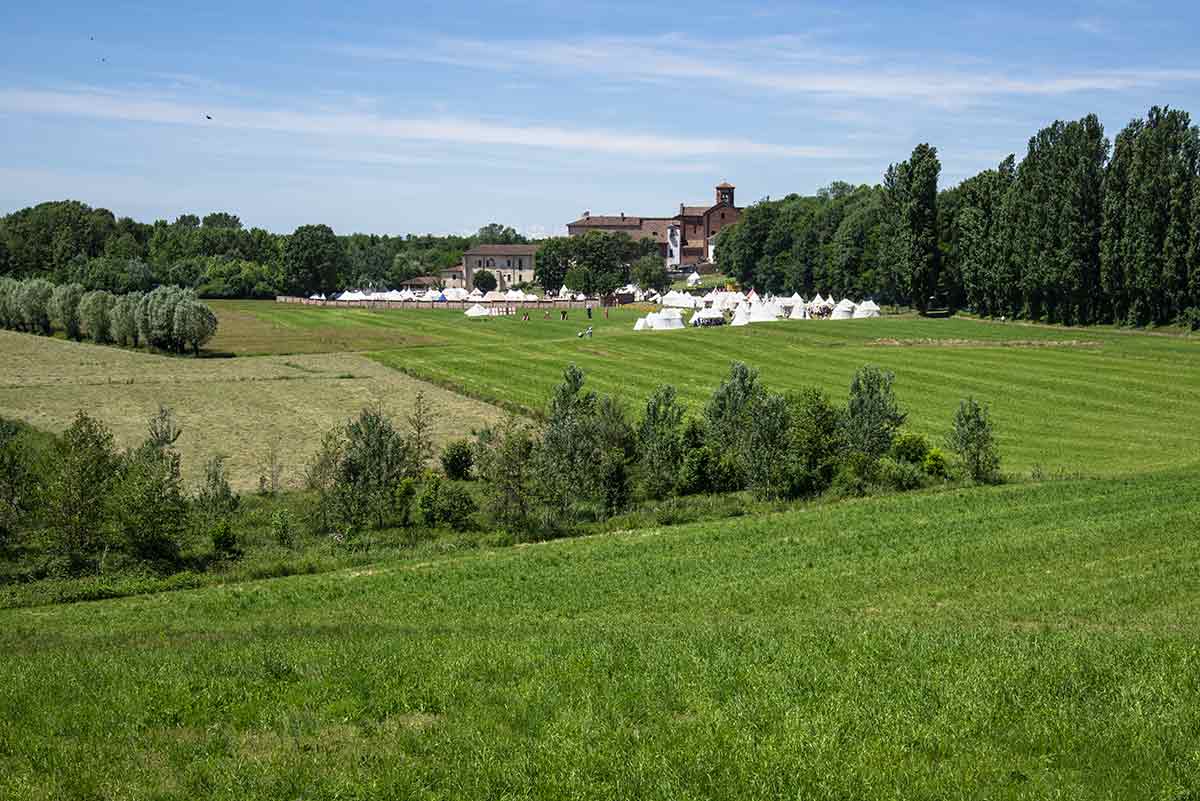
(502, 250)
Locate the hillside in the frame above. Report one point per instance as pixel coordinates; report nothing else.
(1016, 642)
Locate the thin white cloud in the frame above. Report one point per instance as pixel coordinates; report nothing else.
(354, 122)
(778, 64)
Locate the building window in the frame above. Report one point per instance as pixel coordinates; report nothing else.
(520, 262)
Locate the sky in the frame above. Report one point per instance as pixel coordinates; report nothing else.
(387, 117)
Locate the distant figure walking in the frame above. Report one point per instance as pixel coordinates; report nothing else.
(589, 311)
(605, 312)
(562, 314)
(546, 316)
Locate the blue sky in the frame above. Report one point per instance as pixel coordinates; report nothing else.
(440, 117)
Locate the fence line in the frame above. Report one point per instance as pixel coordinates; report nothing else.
(459, 305)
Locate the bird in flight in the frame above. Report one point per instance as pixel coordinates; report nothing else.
(207, 117)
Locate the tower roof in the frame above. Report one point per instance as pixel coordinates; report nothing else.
(725, 185)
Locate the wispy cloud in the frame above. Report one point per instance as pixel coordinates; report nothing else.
(355, 122)
(787, 64)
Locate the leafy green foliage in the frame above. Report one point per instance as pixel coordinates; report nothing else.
(458, 457)
(312, 260)
(64, 304)
(973, 440)
(910, 447)
(872, 416)
(660, 441)
(484, 281)
(76, 499)
(650, 272)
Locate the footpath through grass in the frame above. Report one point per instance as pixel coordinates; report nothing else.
(1028, 641)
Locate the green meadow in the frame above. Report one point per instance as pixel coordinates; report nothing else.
(1033, 640)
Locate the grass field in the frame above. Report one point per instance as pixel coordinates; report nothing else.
(1033, 640)
(1014, 642)
(235, 407)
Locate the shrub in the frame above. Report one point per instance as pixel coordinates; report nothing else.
(65, 307)
(659, 438)
(900, 474)
(730, 404)
(283, 527)
(696, 471)
(768, 458)
(427, 499)
(973, 441)
(443, 504)
(19, 481)
(910, 447)
(855, 475)
(224, 541)
(455, 507)
(457, 460)
(96, 311)
(816, 442)
(503, 460)
(151, 511)
(76, 497)
(935, 464)
(1191, 318)
(615, 490)
(374, 458)
(215, 498)
(194, 324)
(33, 301)
(124, 320)
(872, 415)
(10, 309)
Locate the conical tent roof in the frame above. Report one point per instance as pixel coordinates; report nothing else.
(476, 311)
(844, 310)
(799, 312)
(741, 316)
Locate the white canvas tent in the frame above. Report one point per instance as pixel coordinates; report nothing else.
(799, 312)
(477, 311)
(316, 297)
(475, 294)
(741, 316)
(763, 313)
(693, 279)
(866, 309)
(493, 297)
(707, 317)
(843, 311)
(666, 320)
(640, 325)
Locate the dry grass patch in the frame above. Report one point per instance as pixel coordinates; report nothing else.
(235, 407)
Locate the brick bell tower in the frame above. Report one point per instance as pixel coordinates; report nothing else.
(725, 194)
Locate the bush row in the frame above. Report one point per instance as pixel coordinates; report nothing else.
(167, 318)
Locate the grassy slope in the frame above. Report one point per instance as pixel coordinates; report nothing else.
(1016, 642)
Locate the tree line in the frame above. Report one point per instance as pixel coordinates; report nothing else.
(76, 505)
(71, 242)
(1080, 231)
(167, 318)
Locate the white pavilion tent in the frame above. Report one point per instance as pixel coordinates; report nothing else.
(477, 311)
(844, 310)
(866, 309)
(693, 279)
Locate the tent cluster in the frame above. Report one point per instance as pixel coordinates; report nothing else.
(750, 308)
(664, 320)
(396, 295)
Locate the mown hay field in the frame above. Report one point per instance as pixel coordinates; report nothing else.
(1026, 641)
(233, 407)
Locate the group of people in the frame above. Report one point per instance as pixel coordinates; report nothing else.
(562, 315)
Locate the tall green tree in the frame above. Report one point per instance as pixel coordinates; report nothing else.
(313, 260)
(911, 204)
